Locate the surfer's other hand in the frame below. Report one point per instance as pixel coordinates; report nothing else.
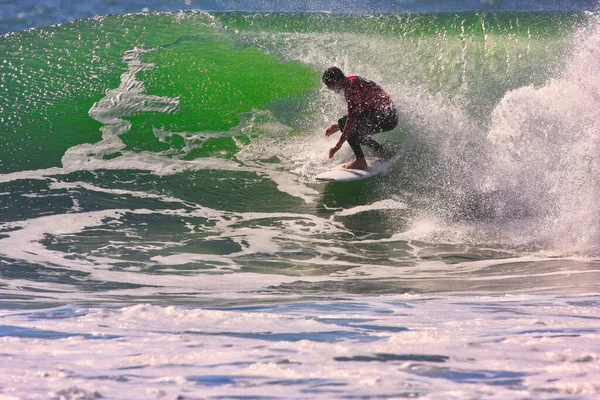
(331, 130)
(333, 150)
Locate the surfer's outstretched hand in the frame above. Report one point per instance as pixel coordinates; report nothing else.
(331, 130)
(334, 150)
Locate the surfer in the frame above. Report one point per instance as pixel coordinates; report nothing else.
(370, 111)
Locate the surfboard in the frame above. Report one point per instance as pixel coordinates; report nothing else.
(340, 174)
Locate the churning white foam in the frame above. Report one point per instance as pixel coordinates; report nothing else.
(546, 150)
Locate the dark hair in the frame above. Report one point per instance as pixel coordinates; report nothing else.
(333, 76)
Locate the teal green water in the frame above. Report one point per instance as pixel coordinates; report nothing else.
(52, 78)
(221, 66)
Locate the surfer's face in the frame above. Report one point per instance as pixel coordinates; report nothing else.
(336, 87)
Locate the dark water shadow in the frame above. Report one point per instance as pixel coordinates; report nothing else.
(385, 357)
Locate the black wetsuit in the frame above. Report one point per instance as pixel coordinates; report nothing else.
(374, 112)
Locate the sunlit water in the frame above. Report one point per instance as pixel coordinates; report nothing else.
(162, 235)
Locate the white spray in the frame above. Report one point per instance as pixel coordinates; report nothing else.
(546, 151)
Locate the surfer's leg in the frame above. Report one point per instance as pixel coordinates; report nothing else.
(380, 151)
(375, 123)
(354, 142)
(360, 162)
(387, 120)
(342, 122)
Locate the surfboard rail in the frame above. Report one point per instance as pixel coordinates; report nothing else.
(341, 174)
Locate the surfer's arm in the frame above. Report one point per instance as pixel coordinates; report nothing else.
(348, 129)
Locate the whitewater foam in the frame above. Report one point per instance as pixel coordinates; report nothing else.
(374, 347)
(546, 151)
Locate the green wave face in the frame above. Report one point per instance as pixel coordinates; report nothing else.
(52, 78)
(213, 69)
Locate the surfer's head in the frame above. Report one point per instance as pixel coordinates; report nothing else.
(334, 78)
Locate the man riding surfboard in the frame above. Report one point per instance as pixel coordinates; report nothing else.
(370, 111)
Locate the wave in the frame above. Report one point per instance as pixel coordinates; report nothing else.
(498, 111)
(25, 14)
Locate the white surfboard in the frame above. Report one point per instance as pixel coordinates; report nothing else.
(340, 174)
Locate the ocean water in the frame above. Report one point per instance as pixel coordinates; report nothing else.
(162, 235)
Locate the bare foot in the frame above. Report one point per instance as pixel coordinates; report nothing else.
(356, 164)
